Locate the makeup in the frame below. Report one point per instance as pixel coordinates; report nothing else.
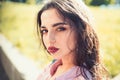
(52, 49)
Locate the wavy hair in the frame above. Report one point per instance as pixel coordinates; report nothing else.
(87, 47)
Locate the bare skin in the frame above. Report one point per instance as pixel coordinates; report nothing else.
(60, 36)
(66, 65)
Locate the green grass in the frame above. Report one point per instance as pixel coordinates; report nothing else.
(108, 29)
(18, 24)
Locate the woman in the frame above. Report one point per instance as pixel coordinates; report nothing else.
(67, 34)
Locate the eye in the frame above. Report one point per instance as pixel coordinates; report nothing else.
(44, 31)
(61, 29)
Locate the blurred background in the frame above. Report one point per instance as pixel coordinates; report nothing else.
(18, 25)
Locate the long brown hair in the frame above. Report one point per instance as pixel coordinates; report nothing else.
(87, 47)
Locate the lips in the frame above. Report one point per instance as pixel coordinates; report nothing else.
(52, 50)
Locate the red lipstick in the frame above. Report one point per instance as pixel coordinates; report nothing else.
(52, 50)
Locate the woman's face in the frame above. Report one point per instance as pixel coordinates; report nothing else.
(58, 35)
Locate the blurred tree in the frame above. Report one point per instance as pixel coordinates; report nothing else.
(100, 2)
(39, 1)
(30, 1)
(87, 2)
(113, 1)
(26, 1)
(15, 0)
(117, 2)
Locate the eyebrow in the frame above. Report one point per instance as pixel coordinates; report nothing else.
(56, 24)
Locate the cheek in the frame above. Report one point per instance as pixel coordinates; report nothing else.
(70, 41)
(44, 41)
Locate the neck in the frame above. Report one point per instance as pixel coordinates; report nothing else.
(68, 61)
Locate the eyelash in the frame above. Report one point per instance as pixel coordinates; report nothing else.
(61, 29)
(58, 29)
(44, 31)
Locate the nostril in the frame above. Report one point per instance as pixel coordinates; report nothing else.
(53, 41)
(52, 37)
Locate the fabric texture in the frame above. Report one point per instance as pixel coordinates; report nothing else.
(75, 73)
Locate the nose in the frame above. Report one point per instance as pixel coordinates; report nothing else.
(51, 38)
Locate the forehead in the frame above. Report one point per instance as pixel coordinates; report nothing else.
(50, 16)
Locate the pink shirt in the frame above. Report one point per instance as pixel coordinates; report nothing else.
(75, 73)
